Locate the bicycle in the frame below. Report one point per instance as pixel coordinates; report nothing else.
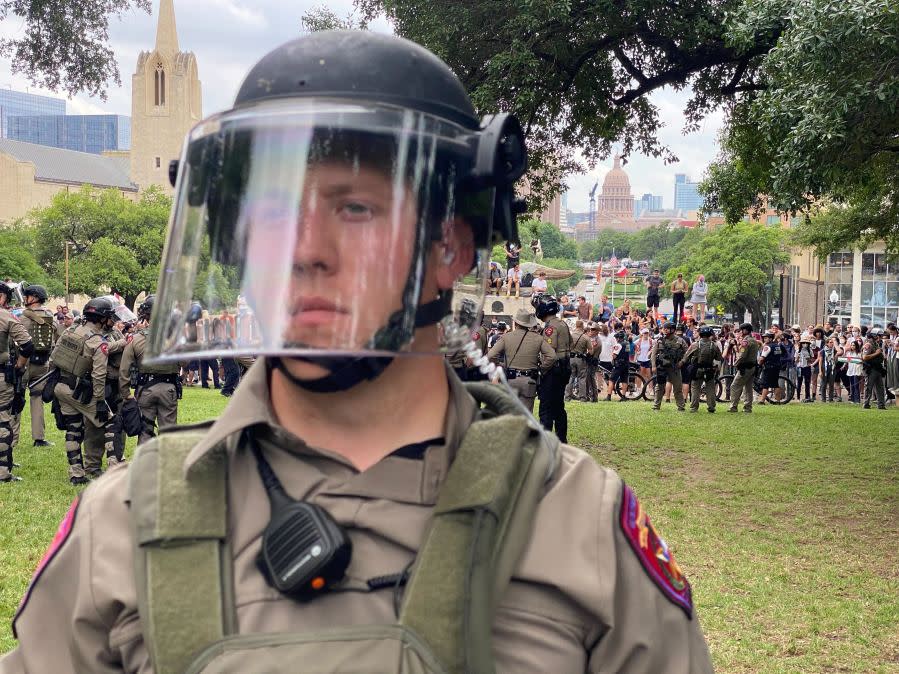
(788, 389)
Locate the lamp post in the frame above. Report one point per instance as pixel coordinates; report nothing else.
(767, 305)
(68, 243)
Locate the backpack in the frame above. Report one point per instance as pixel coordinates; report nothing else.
(42, 331)
(478, 531)
(669, 353)
(705, 354)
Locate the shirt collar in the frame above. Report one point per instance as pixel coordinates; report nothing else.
(251, 406)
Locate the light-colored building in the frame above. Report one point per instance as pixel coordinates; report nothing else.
(166, 102)
(30, 175)
(860, 287)
(615, 205)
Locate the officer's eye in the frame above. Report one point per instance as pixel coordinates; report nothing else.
(355, 211)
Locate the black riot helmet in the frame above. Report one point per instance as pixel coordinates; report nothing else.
(545, 305)
(36, 291)
(99, 309)
(706, 331)
(145, 310)
(747, 328)
(348, 155)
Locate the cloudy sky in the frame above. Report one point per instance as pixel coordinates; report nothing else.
(228, 36)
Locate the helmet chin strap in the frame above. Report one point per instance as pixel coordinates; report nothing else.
(345, 372)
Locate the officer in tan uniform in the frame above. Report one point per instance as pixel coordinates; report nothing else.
(12, 335)
(746, 364)
(581, 349)
(704, 355)
(665, 357)
(81, 356)
(174, 561)
(41, 325)
(157, 386)
(94, 438)
(527, 356)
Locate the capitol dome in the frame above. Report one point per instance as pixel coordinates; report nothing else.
(616, 200)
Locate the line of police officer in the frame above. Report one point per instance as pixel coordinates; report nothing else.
(91, 371)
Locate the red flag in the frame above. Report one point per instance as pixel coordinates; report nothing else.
(621, 272)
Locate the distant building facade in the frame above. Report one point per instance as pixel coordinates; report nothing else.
(166, 102)
(686, 193)
(647, 203)
(15, 103)
(83, 133)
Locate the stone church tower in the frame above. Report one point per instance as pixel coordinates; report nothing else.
(165, 104)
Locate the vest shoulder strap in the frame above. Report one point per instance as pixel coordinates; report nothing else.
(478, 532)
(181, 570)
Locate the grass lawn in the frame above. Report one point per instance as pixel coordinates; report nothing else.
(785, 521)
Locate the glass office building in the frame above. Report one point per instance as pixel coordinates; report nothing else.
(861, 287)
(82, 133)
(20, 103)
(686, 194)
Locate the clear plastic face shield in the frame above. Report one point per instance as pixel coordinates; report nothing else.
(311, 227)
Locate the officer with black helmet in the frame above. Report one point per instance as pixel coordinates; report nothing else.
(874, 365)
(552, 386)
(81, 355)
(665, 357)
(13, 336)
(704, 355)
(745, 364)
(41, 325)
(157, 386)
(352, 197)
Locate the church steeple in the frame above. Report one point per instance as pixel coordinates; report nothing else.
(166, 32)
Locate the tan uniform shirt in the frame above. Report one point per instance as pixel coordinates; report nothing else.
(11, 332)
(581, 343)
(580, 599)
(528, 351)
(558, 336)
(689, 356)
(658, 345)
(749, 352)
(116, 342)
(133, 352)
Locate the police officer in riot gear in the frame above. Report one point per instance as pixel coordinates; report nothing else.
(81, 356)
(352, 197)
(874, 365)
(745, 364)
(704, 355)
(552, 386)
(157, 386)
(665, 357)
(41, 325)
(14, 338)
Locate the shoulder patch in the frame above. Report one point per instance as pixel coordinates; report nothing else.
(129, 338)
(104, 347)
(475, 336)
(653, 552)
(59, 539)
(548, 331)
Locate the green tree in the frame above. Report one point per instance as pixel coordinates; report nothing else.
(648, 243)
(737, 262)
(608, 242)
(114, 243)
(820, 132)
(18, 261)
(577, 73)
(553, 242)
(63, 44)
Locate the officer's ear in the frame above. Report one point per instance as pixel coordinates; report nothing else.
(454, 254)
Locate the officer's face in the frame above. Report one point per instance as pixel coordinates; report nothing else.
(352, 254)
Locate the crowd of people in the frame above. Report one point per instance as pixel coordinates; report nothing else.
(822, 363)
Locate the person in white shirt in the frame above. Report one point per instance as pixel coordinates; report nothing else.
(539, 285)
(513, 279)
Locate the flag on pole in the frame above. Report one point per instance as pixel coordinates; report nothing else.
(614, 261)
(621, 272)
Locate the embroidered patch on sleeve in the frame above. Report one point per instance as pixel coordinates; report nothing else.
(104, 347)
(653, 552)
(475, 336)
(548, 331)
(59, 539)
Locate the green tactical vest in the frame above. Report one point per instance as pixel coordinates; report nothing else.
(478, 531)
(705, 354)
(42, 330)
(68, 354)
(156, 368)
